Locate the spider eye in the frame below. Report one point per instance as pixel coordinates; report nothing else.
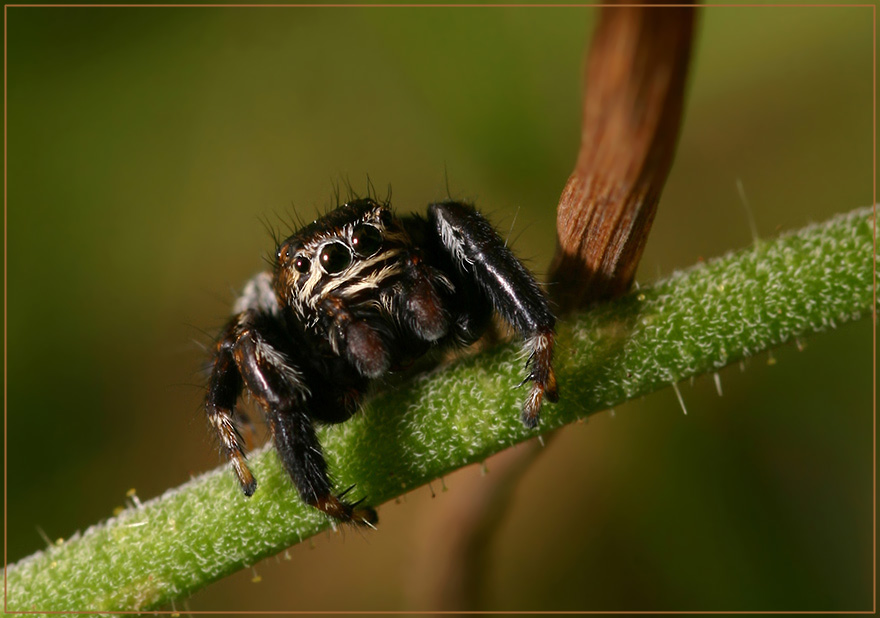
(302, 264)
(335, 257)
(366, 240)
(283, 253)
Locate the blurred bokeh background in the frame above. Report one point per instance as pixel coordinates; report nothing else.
(146, 147)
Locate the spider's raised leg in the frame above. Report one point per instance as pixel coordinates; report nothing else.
(226, 384)
(482, 257)
(223, 391)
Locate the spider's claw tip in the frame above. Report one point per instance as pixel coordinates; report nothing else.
(248, 486)
(366, 516)
(529, 420)
(363, 515)
(346, 512)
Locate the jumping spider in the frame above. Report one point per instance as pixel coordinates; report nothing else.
(354, 295)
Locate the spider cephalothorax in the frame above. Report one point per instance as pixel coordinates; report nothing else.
(354, 295)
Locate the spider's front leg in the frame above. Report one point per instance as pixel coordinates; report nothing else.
(255, 352)
(483, 261)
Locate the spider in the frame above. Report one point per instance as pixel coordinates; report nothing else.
(354, 295)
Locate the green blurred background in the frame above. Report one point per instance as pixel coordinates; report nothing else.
(147, 145)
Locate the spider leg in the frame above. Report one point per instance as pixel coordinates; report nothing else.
(463, 313)
(274, 380)
(226, 385)
(223, 390)
(300, 452)
(481, 256)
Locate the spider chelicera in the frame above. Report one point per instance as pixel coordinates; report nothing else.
(354, 295)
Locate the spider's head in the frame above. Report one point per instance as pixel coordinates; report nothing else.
(347, 254)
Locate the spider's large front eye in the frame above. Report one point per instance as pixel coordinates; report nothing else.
(302, 264)
(335, 257)
(366, 240)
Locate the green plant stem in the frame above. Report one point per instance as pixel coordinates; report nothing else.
(694, 322)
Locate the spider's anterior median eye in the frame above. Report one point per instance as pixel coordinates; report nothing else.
(302, 264)
(335, 257)
(366, 240)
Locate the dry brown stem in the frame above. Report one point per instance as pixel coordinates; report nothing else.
(633, 97)
(634, 89)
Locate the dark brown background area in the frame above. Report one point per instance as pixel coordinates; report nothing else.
(146, 145)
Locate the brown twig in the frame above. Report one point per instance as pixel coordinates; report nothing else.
(633, 97)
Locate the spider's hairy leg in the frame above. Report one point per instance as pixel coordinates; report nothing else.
(273, 378)
(434, 300)
(224, 388)
(540, 349)
(482, 257)
(226, 383)
(300, 452)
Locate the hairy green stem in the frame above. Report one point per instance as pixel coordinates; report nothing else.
(694, 322)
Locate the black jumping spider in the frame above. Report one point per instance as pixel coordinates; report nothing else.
(354, 295)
